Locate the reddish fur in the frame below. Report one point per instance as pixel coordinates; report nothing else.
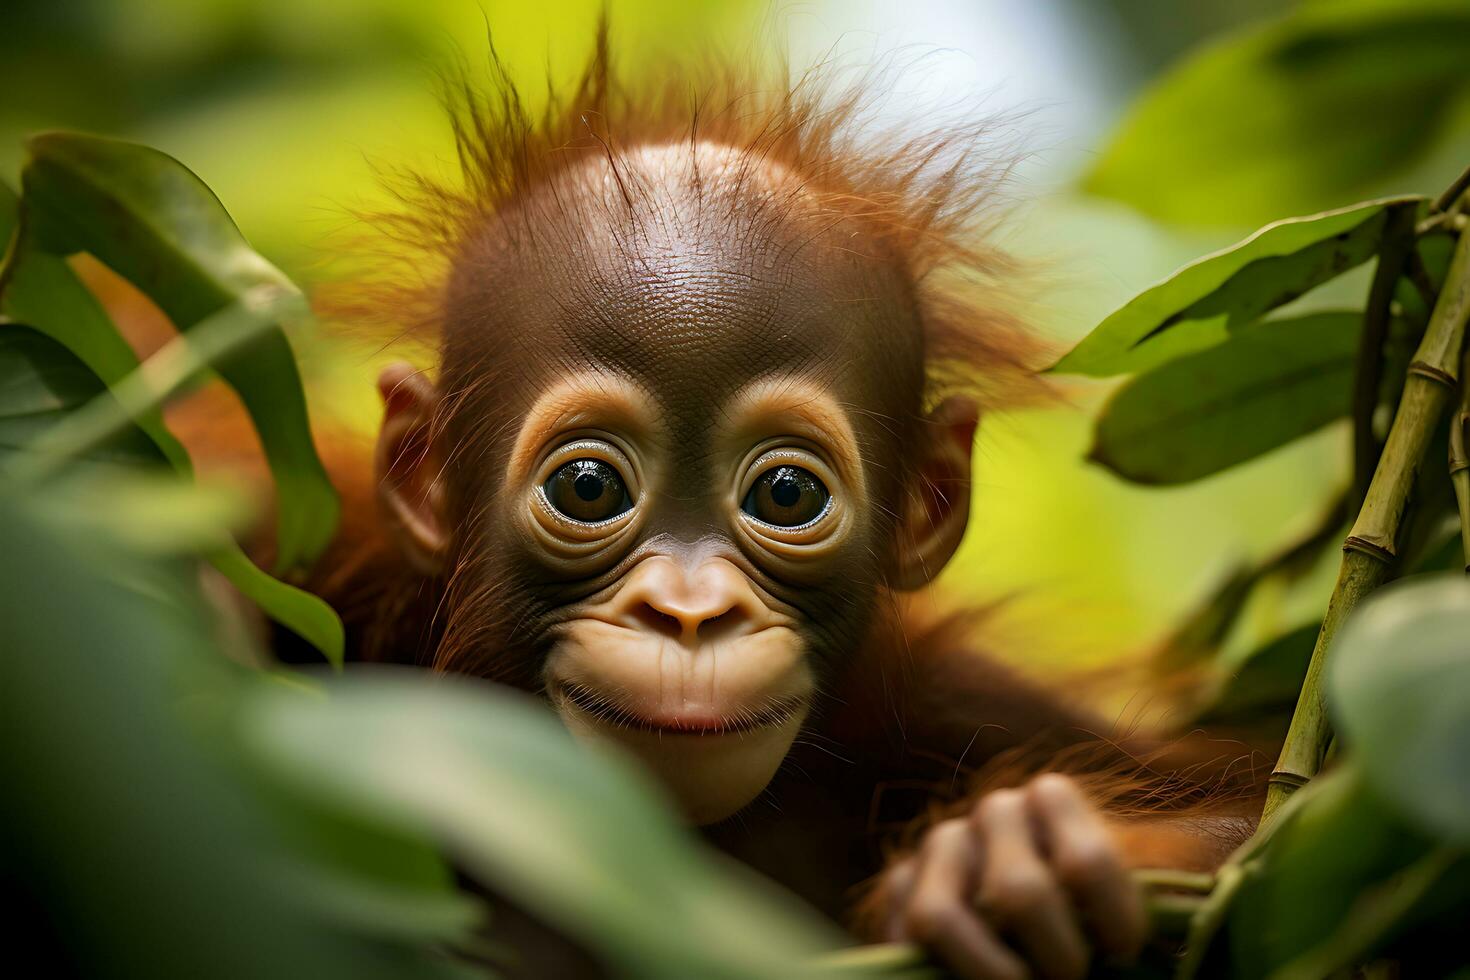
(921, 723)
(930, 198)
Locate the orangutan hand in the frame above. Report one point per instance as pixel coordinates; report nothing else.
(1028, 884)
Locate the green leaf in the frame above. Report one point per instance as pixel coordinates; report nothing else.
(221, 338)
(578, 836)
(41, 384)
(1307, 111)
(374, 881)
(147, 511)
(68, 413)
(154, 222)
(1198, 306)
(1406, 899)
(1340, 842)
(1268, 681)
(41, 291)
(1265, 386)
(305, 614)
(141, 837)
(1398, 685)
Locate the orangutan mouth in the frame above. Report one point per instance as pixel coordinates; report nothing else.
(683, 722)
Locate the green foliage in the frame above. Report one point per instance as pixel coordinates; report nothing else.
(1199, 306)
(1374, 855)
(1264, 386)
(41, 290)
(266, 823)
(1265, 684)
(299, 825)
(1404, 656)
(169, 233)
(261, 824)
(1306, 111)
(138, 838)
(1311, 874)
(590, 846)
(1371, 860)
(148, 217)
(41, 383)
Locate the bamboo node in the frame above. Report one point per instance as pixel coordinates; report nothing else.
(1375, 551)
(1285, 777)
(1435, 374)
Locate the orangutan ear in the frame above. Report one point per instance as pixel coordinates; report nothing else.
(936, 504)
(409, 469)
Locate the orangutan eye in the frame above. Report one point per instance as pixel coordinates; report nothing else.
(588, 490)
(786, 496)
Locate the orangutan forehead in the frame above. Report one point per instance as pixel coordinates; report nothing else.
(690, 268)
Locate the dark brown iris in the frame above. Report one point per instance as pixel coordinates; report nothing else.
(588, 490)
(786, 496)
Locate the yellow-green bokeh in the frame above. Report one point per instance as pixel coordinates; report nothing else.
(285, 107)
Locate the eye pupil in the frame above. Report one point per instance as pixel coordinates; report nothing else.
(787, 496)
(588, 486)
(587, 490)
(785, 492)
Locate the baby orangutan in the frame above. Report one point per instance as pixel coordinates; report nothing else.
(708, 385)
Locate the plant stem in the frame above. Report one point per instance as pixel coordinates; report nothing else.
(1452, 193)
(1170, 913)
(1170, 880)
(1393, 260)
(1371, 548)
(1460, 458)
(1207, 921)
(893, 961)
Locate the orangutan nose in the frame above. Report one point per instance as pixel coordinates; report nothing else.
(710, 602)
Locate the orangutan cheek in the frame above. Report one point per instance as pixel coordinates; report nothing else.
(709, 776)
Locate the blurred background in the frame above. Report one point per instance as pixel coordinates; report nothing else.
(284, 107)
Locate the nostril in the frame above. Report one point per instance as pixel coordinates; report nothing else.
(726, 624)
(657, 622)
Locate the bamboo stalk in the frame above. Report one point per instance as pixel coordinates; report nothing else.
(1370, 550)
(1460, 458)
(1452, 194)
(1393, 260)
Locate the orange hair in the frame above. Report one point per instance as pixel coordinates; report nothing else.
(931, 199)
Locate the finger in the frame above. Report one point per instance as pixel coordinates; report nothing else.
(1019, 892)
(899, 884)
(1086, 862)
(939, 914)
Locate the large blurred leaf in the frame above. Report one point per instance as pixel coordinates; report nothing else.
(153, 221)
(1434, 887)
(1307, 111)
(60, 410)
(580, 839)
(41, 383)
(1199, 305)
(1399, 687)
(41, 290)
(9, 216)
(1340, 842)
(1266, 385)
(134, 846)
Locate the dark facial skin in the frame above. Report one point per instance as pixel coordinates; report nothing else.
(648, 369)
(717, 329)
